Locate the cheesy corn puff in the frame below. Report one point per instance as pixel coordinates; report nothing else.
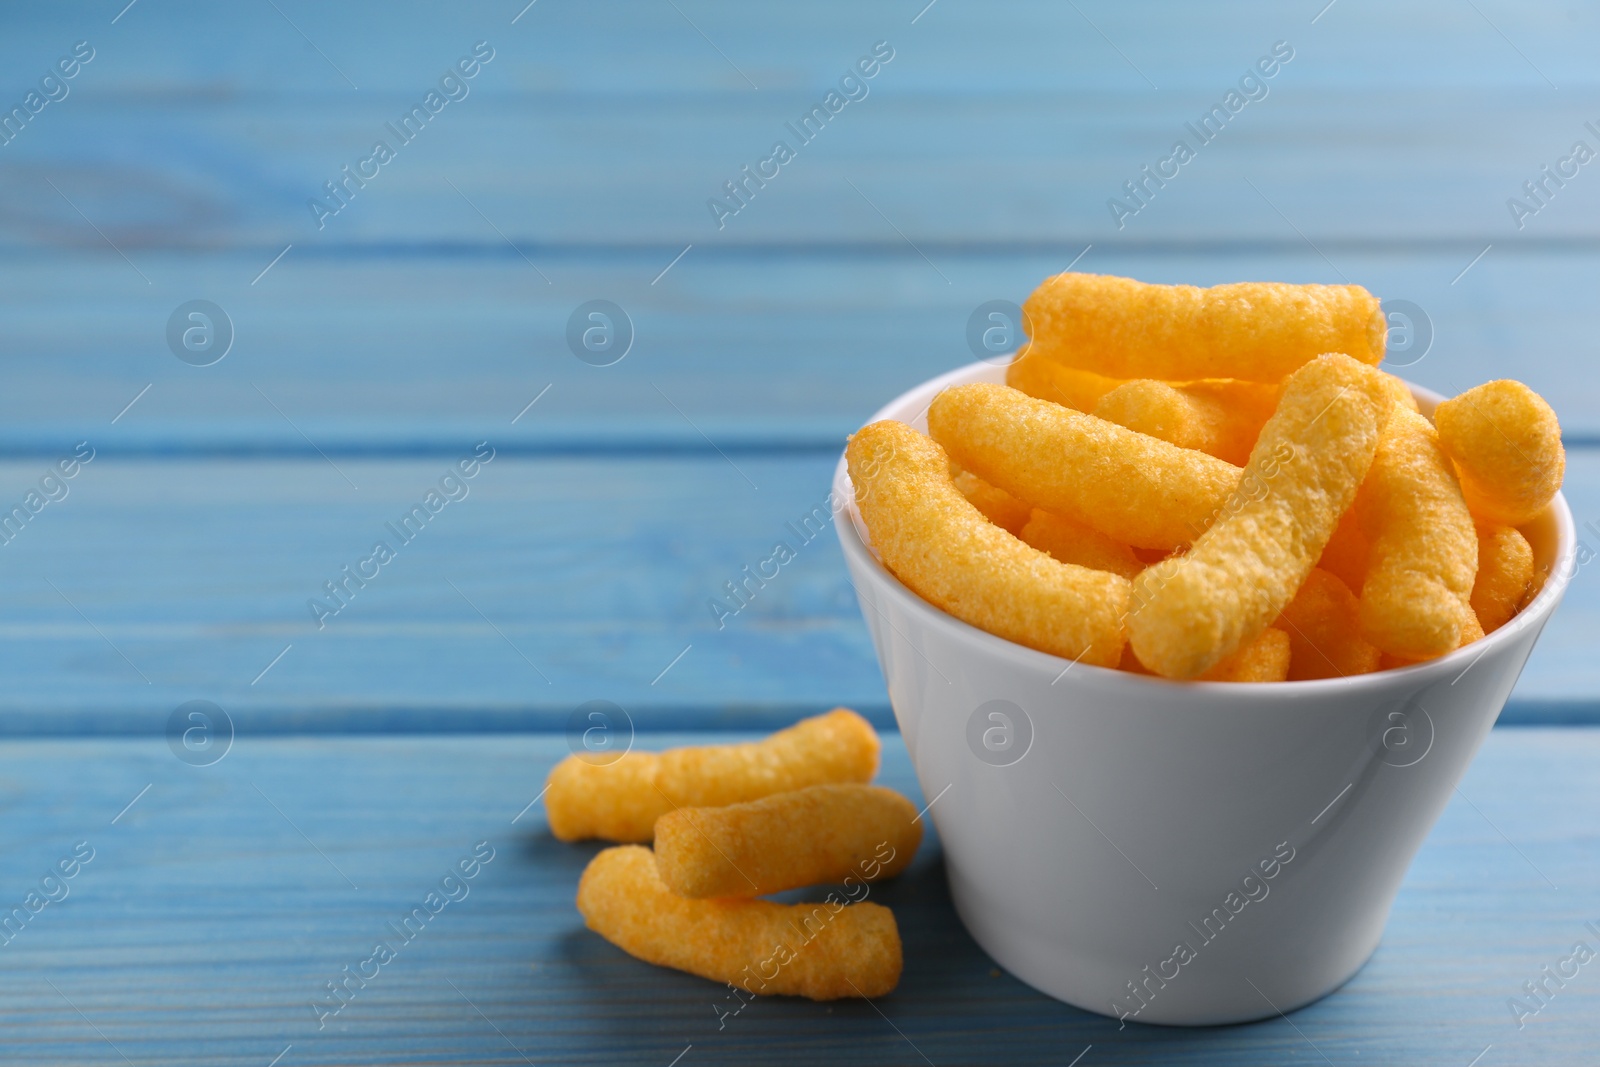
(822, 951)
(1505, 574)
(1219, 418)
(1424, 552)
(945, 551)
(1048, 379)
(1345, 555)
(1266, 659)
(1323, 622)
(997, 505)
(1192, 610)
(1471, 630)
(1506, 444)
(1258, 331)
(821, 834)
(1132, 487)
(1072, 542)
(621, 801)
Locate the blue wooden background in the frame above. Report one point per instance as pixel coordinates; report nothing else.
(423, 318)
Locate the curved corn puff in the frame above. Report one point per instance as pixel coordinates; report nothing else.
(1129, 486)
(1506, 444)
(1131, 664)
(822, 951)
(1258, 331)
(1266, 659)
(1345, 556)
(946, 552)
(839, 746)
(1401, 391)
(1191, 611)
(621, 800)
(1248, 405)
(1424, 547)
(1072, 542)
(1046, 379)
(821, 834)
(997, 505)
(1219, 418)
(1505, 574)
(1471, 630)
(1323, 622)
(1167, 413)
(614, 801)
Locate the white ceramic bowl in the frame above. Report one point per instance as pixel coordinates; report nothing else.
(1168, 852)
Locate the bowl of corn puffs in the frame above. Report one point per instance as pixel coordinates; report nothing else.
(1192, 617)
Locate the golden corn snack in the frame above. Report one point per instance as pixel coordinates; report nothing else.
(839, 746)
(997, 505)
(821, 834)
(1323, 622)
(1130, 662)
(1128, 485)
(614, 801)
(1254, 402)
(1168, 413)
(1506, 444)
(823, 951)
(1047, 379)
(1505, 574)
(1414, 602)
(1471, 630)
(1266, 659)
(1192, 610)
(1400, 390)
(1386, 662)
(1345, 556)
(946, 552)
(621, 800)
(1071, 541)
(1258, 331)
(1219, 418)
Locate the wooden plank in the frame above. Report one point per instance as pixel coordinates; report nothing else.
(1014, 125)
(1029, 45)
(572, 580)
(217, 906)
(597, 171)
(158, 582)
(401, 355)
(1376, 167)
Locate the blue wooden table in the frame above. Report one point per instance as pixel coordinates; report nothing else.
(372, 320)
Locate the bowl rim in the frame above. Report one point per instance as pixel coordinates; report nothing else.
(1535, 613)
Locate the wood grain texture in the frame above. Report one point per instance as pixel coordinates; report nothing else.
(217, 907)
(572, 580)
(638, 47)
(396, 355)
(195, 127)
(990, 145)
(984, 168)
(555, 581)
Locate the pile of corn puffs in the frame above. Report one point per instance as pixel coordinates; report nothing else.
(735, 822)
(1213, 484)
